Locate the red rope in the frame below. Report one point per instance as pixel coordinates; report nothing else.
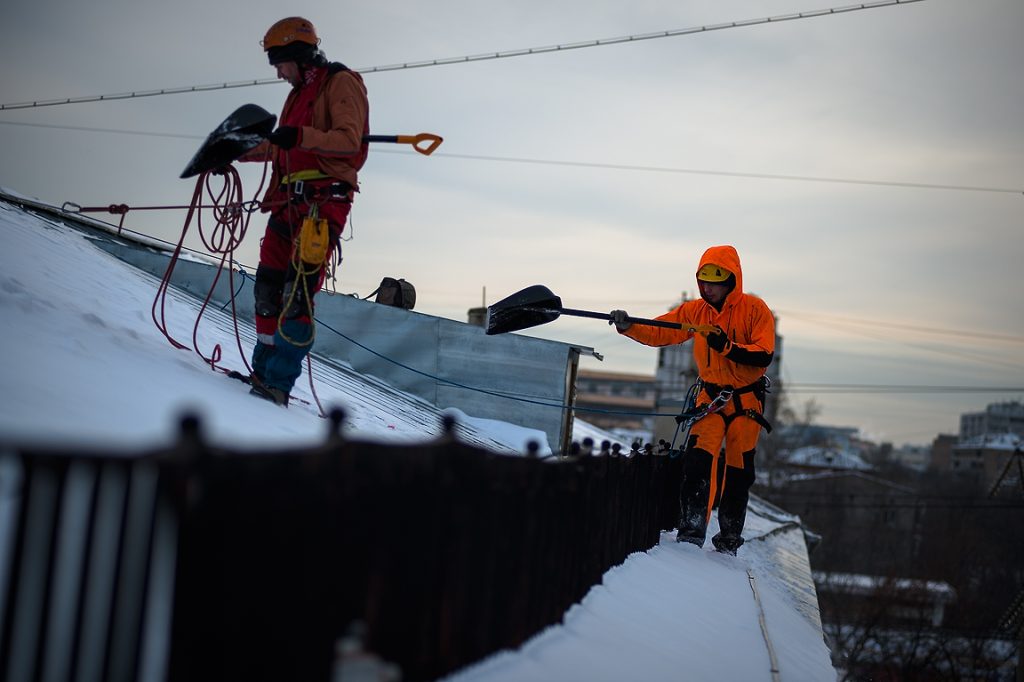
(231, 221)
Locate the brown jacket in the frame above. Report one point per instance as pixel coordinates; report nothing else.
(745, 318)
(341, 114)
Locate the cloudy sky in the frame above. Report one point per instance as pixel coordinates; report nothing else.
(868, 165)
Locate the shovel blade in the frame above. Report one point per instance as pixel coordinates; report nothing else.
(239, 133)
(530, 307)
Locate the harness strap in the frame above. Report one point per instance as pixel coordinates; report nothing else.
(759, 388)
(750, 413)
(304, 191)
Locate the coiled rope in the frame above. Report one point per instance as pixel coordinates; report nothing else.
(231, 217)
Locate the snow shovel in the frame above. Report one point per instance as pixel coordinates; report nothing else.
(250, 124)
(240, 132)
(537, 305)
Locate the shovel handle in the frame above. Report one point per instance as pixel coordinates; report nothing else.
(424, 143)
(698, 328)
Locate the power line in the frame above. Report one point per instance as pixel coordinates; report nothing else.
(909, 327)
(731, 174)
(116, 131)
(603, 166)
(982, 357)
(478, 57)
(810, 387)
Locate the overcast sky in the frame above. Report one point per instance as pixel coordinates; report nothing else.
(873, 283)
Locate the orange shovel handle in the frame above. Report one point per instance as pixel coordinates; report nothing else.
(424, 143)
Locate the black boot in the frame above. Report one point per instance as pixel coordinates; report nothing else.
(732, 508)
(727, 544)
(274, 395)
(693, 497)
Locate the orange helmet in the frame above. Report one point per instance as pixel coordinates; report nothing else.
(290, 30)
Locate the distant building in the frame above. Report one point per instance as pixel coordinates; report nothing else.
(618, 400)
(988, 459)
(916, 457)
(905, 601)
(867, 524)
(942, 452)
(996, 418)
(797, 435)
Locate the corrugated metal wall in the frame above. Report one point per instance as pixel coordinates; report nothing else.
(431, 357)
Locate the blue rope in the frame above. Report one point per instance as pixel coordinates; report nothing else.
(241, 284)
(496, 394)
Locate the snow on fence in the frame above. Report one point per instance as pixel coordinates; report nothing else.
(199, 563)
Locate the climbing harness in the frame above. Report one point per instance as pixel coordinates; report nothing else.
(759, 388)
(691, 414)
(311, 246)
(301, 188)
(720, 397)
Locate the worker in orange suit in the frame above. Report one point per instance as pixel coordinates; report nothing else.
(731, 362)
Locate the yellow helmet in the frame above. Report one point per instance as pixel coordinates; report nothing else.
(713, 273)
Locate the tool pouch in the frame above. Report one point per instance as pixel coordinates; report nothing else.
(396, 292)
(314, 241)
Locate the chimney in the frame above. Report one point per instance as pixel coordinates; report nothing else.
(478, 316)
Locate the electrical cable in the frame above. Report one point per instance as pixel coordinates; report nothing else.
(730, 174)
(896, 325)
(548, 403)
(810, 387)
(773, 660)
(479, 57)
(604, 166)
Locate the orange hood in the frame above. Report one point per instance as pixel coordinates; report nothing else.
(726, 257)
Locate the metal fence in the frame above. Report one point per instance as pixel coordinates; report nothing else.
(196, 563)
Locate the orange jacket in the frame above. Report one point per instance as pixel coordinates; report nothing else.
(745, 318)
(341, 114)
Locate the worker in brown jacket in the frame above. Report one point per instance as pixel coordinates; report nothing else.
(731, 363)
(316, 153)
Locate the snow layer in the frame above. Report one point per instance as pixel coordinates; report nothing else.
(84, 363)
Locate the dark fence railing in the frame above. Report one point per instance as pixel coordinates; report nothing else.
(199, 564)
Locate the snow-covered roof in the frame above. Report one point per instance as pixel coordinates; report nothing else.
(847, 475)
(85, 364)
(992, 441)
(827, 458)
(856, 583)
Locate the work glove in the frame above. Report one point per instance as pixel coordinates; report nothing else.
(618, 318)
(284, 137)
(718, 340)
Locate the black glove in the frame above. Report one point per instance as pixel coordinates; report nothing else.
(718, 340)
(284, 137)
(618, 318)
